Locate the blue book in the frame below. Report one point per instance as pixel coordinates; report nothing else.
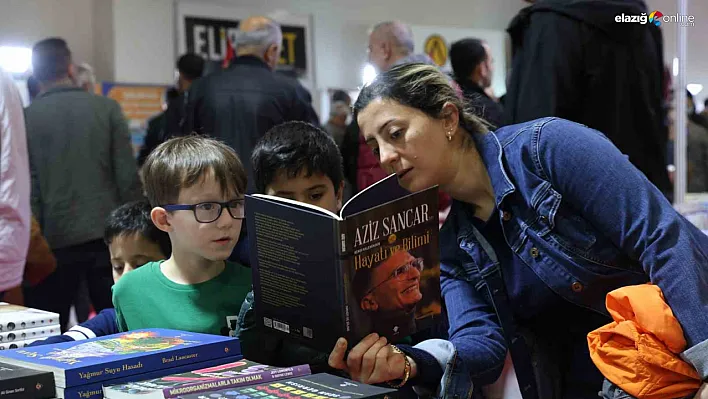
(95, 390)
(121, 355)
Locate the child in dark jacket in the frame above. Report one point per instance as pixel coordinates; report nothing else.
(298, 161)
(133, 240)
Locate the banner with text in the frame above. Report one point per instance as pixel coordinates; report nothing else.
(139, 104)
(207, 37)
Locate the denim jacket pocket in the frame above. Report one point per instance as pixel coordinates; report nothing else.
(567, 231)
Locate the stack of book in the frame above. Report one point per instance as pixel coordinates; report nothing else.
(20, 326)
(82, 368)
(316, 386)
(23, 383)
(245, 379)
(227, 376)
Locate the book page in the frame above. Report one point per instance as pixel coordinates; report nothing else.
(379, 193)
(298, 204)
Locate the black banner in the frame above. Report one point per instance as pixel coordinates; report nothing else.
(206, 37)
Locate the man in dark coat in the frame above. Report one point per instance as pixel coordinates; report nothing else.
(471, 61)
(239, 104)
(571, 59)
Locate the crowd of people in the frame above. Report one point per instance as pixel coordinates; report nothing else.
(554, 196)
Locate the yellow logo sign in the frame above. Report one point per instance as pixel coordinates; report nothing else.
(436, 49)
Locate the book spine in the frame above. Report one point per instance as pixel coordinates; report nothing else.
(150, 362)
(343, 277)
(29, 321)
(96, 391)
(38, 386)
(30, 333)
(237, 381)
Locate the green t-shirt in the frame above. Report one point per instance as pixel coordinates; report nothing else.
(145, 298)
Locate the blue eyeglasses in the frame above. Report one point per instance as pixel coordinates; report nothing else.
(207, 212)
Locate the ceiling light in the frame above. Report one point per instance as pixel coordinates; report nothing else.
(15, 59)
(368, 74)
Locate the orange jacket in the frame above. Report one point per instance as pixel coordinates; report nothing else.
(639, 351)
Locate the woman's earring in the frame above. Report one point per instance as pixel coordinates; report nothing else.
(449, 136)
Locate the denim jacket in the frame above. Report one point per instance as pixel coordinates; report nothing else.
(586, 221)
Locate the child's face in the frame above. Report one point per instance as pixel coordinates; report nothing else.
(130, 251)
(317, 189)
(212, 241)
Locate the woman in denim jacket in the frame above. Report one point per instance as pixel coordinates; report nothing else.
(548, 217)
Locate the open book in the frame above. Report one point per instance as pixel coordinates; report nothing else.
(374, 267)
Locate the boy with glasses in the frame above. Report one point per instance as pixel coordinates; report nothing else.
(195, 186)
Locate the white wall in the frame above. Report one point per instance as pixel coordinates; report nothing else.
(103, 40)
(134, 40)
(144, 41)
(340, 30)
(24, 22)
(494, 38)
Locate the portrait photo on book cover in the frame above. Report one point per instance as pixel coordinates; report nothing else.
(396, 296)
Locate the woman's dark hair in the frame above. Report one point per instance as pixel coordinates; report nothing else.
(419, 86)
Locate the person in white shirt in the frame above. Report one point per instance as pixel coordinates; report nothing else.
(14, 189)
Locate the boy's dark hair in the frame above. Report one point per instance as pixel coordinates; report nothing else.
(51, 59)
(182, 162)
(132, 218)
(293, 147)
(191, 66)
(465, 55)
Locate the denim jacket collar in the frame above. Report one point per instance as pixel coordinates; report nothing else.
(491, 151)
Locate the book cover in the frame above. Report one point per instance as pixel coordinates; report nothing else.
(23, 383)
(95, 390)
(15, 317)
(30, 333)
(316, 386)
(373, 268)
(112, 356)
(241, 373)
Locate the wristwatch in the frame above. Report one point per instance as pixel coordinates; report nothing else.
(406, 369)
